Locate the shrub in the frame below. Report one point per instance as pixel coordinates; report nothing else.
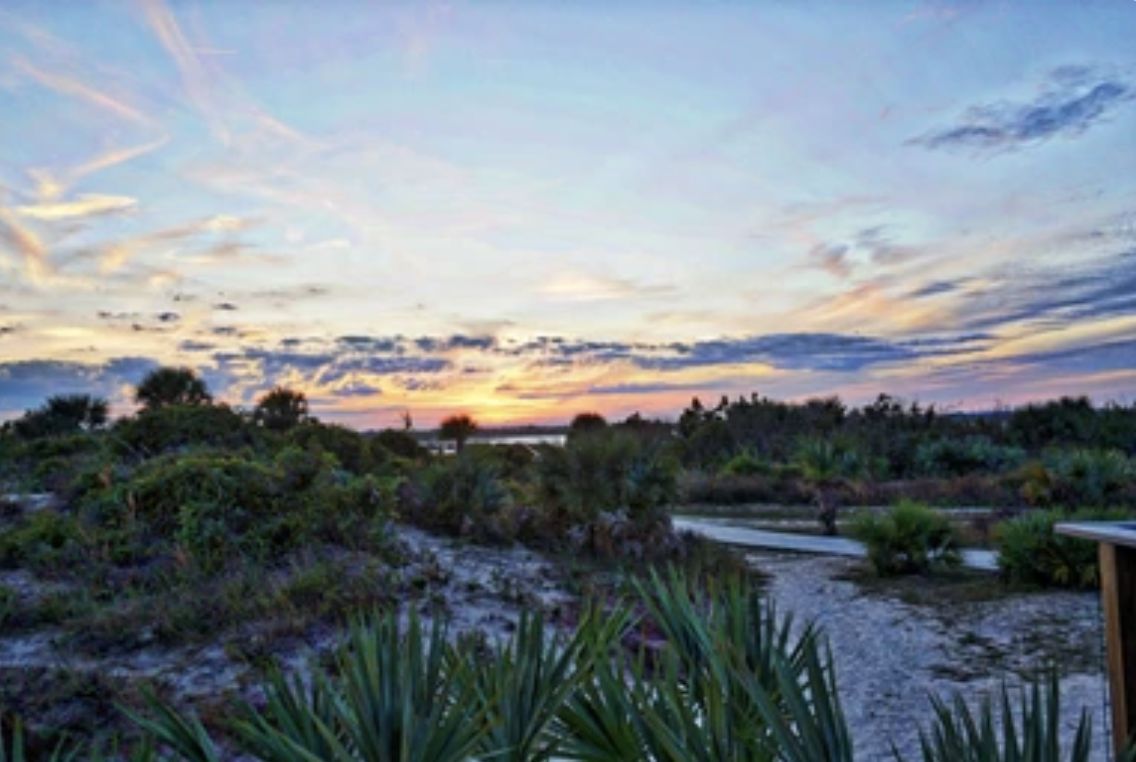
(1090, 477)
(910, 539)
(731, 490)
(745, 464)
(43, 538)
(1031, 552)
(463, 495)
(63, 414)
(176, 427)
(958, 457)
(349, 447)
(607, 470)
(826, 460)
(400, 443)
(211, 506)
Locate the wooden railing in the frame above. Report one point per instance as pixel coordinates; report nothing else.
(1117, 552)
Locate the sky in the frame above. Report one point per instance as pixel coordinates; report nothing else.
(527, 210)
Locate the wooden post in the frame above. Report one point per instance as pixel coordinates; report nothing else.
(1117, 554)
(1118, 595)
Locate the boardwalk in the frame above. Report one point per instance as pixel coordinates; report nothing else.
(729, 531)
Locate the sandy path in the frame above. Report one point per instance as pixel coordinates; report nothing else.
(890, 654)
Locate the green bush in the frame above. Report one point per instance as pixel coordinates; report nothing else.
(45, 538)
(827, 460)
(177, 427)
(399, 443)
(463, 495)
(958, 457)
(212, 506)
(910, 539)
(1031, 552)
(1090, 477)
(607, 470)
(746, 464)
(349, 447)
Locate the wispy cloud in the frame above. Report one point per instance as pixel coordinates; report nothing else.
(1102, 288)
(50, 186)
(584, 287)
(66, 85)
(89, 205)
(27, 244)
(1073, 100)
(832, 258)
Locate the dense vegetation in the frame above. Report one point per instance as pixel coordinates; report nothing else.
(1064, 452)
(189, 517)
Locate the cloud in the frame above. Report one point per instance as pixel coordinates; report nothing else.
(116, 255)
(788, 351)
(108, 315)
(832, 258)
(25, 384)
(867, 245)
(357, 389)
(456, 341)
(880, 248)
(582, 287)
(935, 288)
(795, 351)
(1073, 100)
(194, 77)
(69, 86)
(645, 388)
(91, 205)
(50, 187)
(1089, 358)
(1096, 289)
(27, 245)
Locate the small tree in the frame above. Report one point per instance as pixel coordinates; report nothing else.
(172, 386)
(827, 467)
(281, 409)
(585, 424)
(458, 428)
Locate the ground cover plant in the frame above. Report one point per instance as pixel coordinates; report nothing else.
(726, 677)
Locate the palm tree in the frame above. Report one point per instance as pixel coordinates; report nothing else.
(458, 428)
(281, 409)
(172, 386)
(826, 466)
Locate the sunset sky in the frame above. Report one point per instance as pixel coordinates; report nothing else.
(525, 210)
